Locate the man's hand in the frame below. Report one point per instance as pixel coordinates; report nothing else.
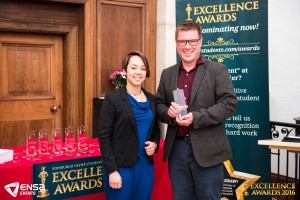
(174, 109)
(185, 120)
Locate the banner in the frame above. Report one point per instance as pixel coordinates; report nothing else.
(235, 33)
(68, 178)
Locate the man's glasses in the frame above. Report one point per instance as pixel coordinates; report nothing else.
(182, 43)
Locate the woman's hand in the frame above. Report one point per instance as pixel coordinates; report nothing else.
(115, 180)
(150, 147)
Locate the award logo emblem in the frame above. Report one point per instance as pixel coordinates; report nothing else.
(188, 11)
(236, 183)
(43, 175)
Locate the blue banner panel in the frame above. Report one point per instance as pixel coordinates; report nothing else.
(69, 178)
(235, 33)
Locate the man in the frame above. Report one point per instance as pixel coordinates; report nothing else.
(196, 144)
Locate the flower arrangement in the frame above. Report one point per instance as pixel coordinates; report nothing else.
(118, 78)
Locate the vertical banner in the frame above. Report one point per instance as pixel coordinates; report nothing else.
(235, 33)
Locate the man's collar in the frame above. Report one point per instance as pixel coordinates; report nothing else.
(200, 60)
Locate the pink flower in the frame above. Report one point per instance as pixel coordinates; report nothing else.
(118, 78)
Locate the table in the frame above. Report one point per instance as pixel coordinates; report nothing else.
(278, 144)
(21, 171)
(289, 146)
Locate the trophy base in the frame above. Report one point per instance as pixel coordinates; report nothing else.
(43, 193)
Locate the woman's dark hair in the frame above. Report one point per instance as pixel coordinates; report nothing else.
(139, 54)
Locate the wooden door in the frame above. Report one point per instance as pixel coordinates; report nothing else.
(31, 83)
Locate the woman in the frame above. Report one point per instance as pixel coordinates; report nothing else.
(129, 134)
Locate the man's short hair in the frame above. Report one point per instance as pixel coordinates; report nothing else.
(188, 25)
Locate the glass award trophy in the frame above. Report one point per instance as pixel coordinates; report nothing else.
(70, 140)
(179, 99)
(57, 147)
(31, 143)
(43, 142)
(82, 139)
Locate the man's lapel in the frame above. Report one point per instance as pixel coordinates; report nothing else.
(201, 69)
(174, 76)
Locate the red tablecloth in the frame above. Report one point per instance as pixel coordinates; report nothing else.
(21, 171)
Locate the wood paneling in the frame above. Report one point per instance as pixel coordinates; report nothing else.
(121, 31)
(90, 49)
(123, 27)
(39, 11)
(150, 43)
(95, 34)
(28, 69)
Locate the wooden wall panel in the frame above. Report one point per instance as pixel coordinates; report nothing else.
(19, 135)
(89, 78)
(43, 11)
(121, 31)
(25, 76)
(150, 43)
(123, 27)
